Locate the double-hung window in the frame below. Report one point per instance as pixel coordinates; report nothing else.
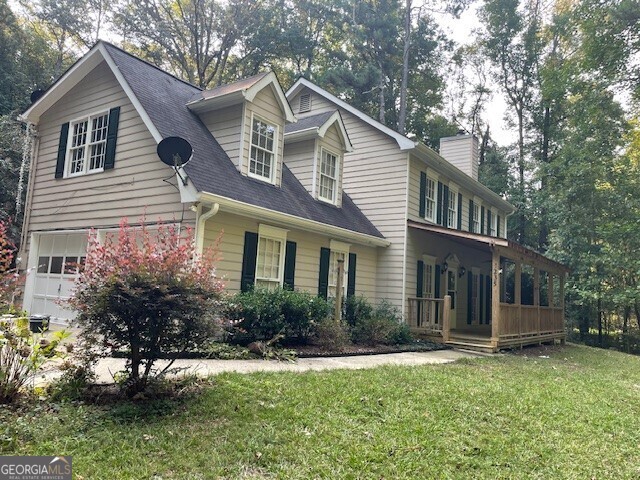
(270, 261)
(87, 145)
(430, 200)
(329, 168)
(452, 210)
(263, 150)
(476, 218)
(493, 226)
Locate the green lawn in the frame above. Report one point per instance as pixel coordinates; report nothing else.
(574, 415)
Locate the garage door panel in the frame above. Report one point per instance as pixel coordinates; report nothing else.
(57, 259)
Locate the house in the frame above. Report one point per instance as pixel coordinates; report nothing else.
(292, 191)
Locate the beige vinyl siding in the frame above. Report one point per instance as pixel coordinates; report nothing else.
(232, 229)
(225, 125)
(133, 188)
(332, 141)
(375, 177)
(265, 105)
(299, 157)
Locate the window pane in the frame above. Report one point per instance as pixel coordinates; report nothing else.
(268, 263)
(70, 265)
(56, 265)
(43, 264)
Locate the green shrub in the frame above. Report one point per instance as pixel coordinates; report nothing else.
(380, 325)
(331, 335)
(357, 309)
(262, 314)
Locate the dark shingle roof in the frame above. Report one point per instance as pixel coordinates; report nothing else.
(164, 98)
(313, 121)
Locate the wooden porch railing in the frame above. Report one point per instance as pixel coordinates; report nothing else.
(430, 315)
(518, 321)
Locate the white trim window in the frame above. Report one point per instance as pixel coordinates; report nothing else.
(329, 168)
(87, 145)
(430, 200)
(429, 287)
(262, 152)
(476, 217)
(493, 228)
(339, 251)
(452, 209)
(270, 260)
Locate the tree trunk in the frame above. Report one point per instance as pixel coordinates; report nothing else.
(600, 322)
(402, 114)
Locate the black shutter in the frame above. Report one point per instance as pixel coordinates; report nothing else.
(62, 150)
(436, 290)
(112, 137)
(445, 207)
(439, 213)
(481, 301)
(420, 279)
(351, 276)
(498, 230)
(482, 220)
(470, 215)
(423, 193)
(469, 296)
(290, 265)
(459, 211)
(249, 261)
(323, 276)
(488, 304)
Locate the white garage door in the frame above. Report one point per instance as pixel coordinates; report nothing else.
(58, 258)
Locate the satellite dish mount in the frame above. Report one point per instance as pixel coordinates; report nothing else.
(175, 152)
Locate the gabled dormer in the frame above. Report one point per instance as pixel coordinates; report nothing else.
(248, 120)
(314, 152)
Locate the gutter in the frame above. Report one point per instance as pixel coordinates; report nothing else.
(253, 211)
(200, 225)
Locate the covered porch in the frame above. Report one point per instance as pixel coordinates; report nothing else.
(490, 293)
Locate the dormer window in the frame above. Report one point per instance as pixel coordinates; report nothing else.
(328, 177)
(263, 148)
(88, 144)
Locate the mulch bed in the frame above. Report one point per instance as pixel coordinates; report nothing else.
(311, 351)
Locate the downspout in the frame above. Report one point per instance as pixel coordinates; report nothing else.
(202, 218)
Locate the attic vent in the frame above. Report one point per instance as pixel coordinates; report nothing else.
(305, 103)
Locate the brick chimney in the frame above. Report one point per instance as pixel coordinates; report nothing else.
(462, 151)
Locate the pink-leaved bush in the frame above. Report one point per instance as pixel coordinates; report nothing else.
(149, 294)
(8, 273)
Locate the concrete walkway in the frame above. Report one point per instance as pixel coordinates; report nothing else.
(109, 366)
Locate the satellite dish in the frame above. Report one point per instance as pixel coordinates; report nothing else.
(36, 95)
(175, 152)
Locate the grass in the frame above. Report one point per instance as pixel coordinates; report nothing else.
(573, 415)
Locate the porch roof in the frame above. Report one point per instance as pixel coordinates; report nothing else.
(507, 247)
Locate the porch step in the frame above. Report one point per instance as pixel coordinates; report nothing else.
(476, 347)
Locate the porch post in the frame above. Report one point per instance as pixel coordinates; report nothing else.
(446, 318)
(536, 293)
(495, 297)
(562, 277)
(517, 295)
(552, 303)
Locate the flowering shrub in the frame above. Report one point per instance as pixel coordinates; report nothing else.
(150, 295)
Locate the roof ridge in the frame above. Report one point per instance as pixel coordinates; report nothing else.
(104, 42)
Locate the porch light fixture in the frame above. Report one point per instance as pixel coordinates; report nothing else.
(461, 272)
(445, 267)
